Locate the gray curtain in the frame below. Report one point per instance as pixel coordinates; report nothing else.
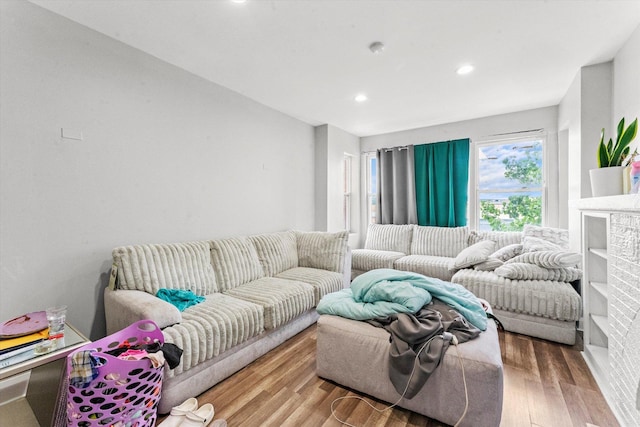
(396, 186)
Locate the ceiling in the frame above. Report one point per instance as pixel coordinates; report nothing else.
(309, 58)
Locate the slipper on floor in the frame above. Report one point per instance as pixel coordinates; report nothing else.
(178, 413)
(200, 418)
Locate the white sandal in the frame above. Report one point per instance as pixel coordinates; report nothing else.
(200, 418)
(179, 413)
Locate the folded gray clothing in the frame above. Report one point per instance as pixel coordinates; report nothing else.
(411, 332)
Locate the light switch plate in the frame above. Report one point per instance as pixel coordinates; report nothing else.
(71, 134)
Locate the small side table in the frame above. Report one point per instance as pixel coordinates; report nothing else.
(42, 375)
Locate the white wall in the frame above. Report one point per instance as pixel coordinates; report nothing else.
(485, 128)
(332, 144)
(582, 113)
(599, 96)
(626, 83)
(569, 122)
(166, 157)
(595, 114)
(321, 185)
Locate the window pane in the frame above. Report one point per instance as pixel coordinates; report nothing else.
(373, 180)
(510, 211)
(373, 202)
(510, 184)
(510, 166)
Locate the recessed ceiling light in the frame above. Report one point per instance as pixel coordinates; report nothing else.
(238, 1)
(465, 69)
(361, 97)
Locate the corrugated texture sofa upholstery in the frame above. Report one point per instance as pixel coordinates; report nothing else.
(543, 308)
(259, 291)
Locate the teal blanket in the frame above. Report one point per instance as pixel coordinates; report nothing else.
(383, 292)
(182, 299)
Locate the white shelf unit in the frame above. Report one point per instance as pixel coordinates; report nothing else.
(595, 241)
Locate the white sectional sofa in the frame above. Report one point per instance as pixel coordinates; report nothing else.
(529, 278)
(259, 291)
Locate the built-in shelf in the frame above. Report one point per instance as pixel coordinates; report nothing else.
(601, 322)
(595, 263)
(601, 288)
(600, 354)
(610, 292)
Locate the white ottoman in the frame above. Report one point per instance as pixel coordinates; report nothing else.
(356, 355)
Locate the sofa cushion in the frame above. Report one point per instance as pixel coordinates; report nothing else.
(235, 262)
(389, 237)
(281, 299)
(322, 250)
(148, 268)
(323, 281)
(533, 244)
(277, 252)
(549, 259)
(370, 259)
(490, 264)
(213, 327)
(505, 253)
(558, 236)
(523, 271)
(474, 254)
(439, 241)
(428, 265)
(502, 238)
(545, 298)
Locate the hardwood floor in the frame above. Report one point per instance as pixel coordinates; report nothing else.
(545, 385)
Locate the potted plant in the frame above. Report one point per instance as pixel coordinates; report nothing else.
(607, 179)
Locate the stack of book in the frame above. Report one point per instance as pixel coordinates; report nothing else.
(20, 336)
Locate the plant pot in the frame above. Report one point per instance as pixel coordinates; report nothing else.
(606, 181)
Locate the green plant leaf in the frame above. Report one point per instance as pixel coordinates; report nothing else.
(603, 155)
(620, 128)
(623, 142)
(624, 155)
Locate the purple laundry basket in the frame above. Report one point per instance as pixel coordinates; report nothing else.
(125, 392)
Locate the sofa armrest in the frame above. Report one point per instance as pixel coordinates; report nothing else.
(124, 307)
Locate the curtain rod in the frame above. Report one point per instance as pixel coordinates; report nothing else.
(404, 147)
(401, 147)
(518, 132)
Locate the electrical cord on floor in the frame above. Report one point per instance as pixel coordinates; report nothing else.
(466, 392)
(449, 337)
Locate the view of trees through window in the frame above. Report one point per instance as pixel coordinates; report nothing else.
(372, 188)
(510, 184)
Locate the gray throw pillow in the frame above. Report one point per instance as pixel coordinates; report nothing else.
(489, 265)
(549, 259)
(522, 271)
(532, 244)
(472, 255)
(558, 236)
(508, 252)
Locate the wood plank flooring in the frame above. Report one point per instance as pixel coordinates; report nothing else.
(545, 385)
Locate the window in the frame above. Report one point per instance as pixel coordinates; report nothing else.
(372, 187)
(510, 183)
(346, 190)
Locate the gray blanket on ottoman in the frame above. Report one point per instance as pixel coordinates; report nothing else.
(419, 342)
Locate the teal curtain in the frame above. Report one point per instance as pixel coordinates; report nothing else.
(442, 180)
